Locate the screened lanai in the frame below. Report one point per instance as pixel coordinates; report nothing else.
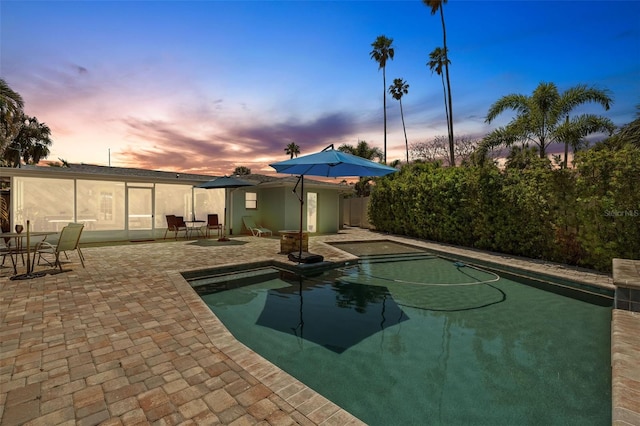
(111, 207)
(117, 204)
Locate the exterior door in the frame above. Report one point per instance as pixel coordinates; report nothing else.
(312, 212)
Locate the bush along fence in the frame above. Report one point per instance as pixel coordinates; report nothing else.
(583, 216)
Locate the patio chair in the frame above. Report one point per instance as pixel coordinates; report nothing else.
(213, 223)
(5, 249)
(174, 225)
(68, 241)
(256, 231)
(182, 226)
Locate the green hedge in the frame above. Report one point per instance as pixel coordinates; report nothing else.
(584, 216)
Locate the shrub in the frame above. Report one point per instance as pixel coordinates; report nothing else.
(584, 216)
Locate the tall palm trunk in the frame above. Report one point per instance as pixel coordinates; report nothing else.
(382, 51)
(566, 148)
(384, 107)
(446, 113)
(446, 67)
(406, 141)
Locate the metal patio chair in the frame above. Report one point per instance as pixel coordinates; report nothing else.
(68, 241)
(213, 223)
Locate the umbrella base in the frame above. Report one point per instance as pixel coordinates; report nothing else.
(305, 257)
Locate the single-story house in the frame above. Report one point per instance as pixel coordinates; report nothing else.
(118, 204)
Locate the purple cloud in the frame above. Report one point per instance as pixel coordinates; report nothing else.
(240, 145)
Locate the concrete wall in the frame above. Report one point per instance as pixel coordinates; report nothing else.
(279, 209)
(355, 212)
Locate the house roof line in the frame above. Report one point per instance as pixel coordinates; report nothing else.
(85, 171)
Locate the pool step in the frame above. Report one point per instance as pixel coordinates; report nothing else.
(227, 281)
(402, 257)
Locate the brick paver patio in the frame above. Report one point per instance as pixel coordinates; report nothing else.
(127, 341)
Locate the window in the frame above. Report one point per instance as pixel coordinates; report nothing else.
(172, 199)
(106, 206)
(250, 200)
(100, 204)
(47, 203)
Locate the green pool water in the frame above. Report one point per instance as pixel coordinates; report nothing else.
(424, 340)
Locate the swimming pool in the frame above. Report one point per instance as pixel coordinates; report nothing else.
(414, 338)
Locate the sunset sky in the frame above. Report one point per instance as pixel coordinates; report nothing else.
(206, 86)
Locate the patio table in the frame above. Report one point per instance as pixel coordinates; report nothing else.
(195, 225)
(18, 249)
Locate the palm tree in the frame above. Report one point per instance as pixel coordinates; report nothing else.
(627, 134)
(437, 61)
(11, 105)
(436, 5)
(397, 90)
(362, 150)
(31, 144)
(292, 149)
(524, 157)
(241, 171)
(382, 51)
(630, 132)
(543, 117)
(573, 140)
(9, 99)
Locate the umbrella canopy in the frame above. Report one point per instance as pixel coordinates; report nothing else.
(225, 182)
(332, 163)
(328, 163)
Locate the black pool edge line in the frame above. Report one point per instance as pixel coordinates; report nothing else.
(303, 269)
(563, 286)
(537, 279)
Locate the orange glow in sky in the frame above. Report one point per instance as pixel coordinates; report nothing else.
(207, 86)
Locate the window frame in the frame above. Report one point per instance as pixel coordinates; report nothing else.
(249, 202)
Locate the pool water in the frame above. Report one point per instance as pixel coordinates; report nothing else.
(424, 340)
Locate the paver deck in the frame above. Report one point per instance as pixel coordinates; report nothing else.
(127, 341)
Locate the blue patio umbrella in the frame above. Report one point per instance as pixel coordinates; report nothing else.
(225, 182)
(328, 163)
(332, 163)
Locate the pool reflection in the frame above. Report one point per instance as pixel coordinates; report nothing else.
(336, 315)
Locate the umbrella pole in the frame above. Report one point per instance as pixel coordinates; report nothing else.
(224, 226)
(301, 216)
(28, 250)
(193, 203)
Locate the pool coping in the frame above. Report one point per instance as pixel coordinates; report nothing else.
(625, 344)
